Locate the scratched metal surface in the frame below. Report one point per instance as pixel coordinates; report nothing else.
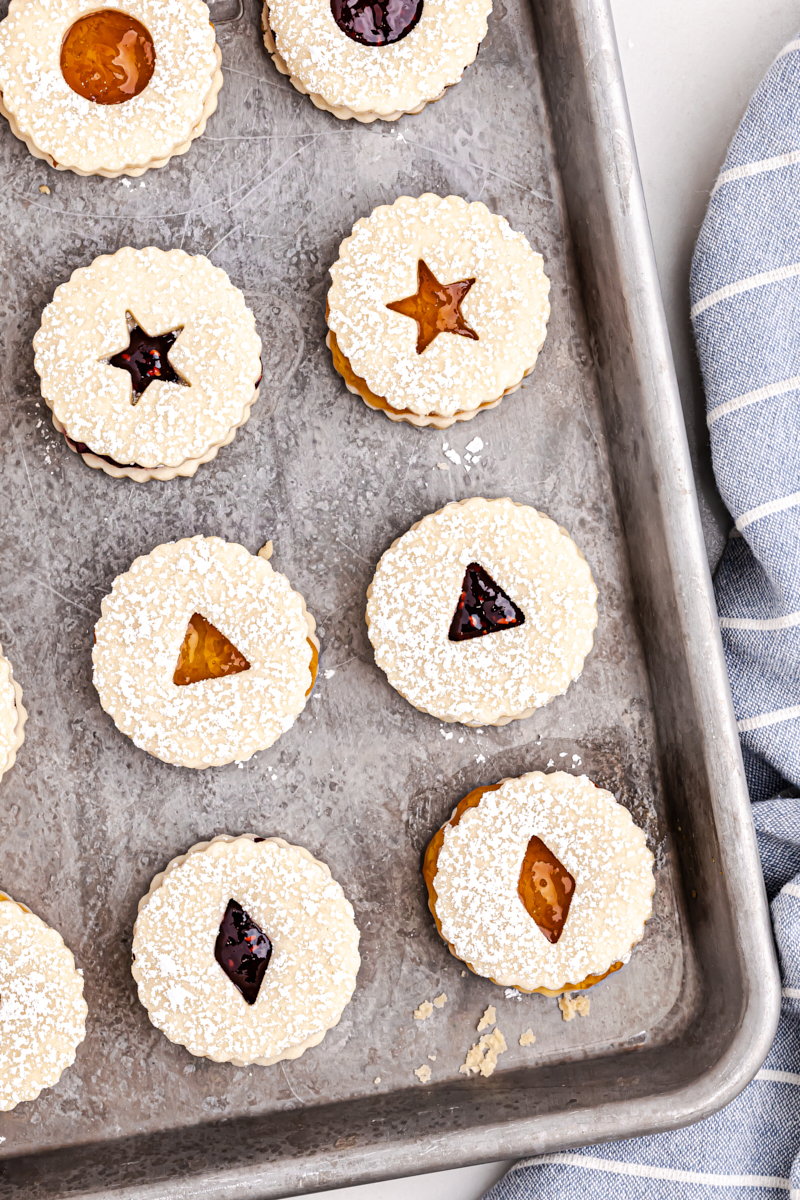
(362, 779)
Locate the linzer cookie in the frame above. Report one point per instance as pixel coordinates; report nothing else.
(437, 310)
(42, 1009)
(149, 361)
(12, 718)
(108, 91)
(482, 612)
(203, 654)
(541, 883)
(245, 950)
(373, 61)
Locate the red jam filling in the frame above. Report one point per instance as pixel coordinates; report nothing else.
(546, 889)
(376, 22)
(108, 57)
(436, 307)
(145, 359)
(242, 950)
(206, 654)
(483, 607)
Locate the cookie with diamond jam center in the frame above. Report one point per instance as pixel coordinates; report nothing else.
(437, 309)
(542, 883)
(482, 612)
(245, 950)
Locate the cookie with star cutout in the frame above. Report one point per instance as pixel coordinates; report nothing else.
(373, 61)
(437, 310)
(203, 653)
(541, 883)
(483, 612)
(245, 950)
(149, 361)
(108, 91)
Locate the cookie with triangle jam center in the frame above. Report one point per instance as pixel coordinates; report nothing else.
(245, 950)
(373, 61)
(482, 612)
(542, 883)
(437, 310)
(203, 653)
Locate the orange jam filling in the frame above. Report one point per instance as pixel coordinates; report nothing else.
(545, 888)
(206, 654)
(108, 57)
(436, 307)
(312, 666)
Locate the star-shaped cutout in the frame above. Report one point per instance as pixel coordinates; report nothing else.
(436, 307)
(145, 359)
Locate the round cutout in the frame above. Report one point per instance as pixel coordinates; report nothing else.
(108, 57)
(376, 22)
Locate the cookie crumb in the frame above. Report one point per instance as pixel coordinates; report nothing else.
(432, 1058)
(44, 189)
(573, 1006)
(443, 466)
(482, 1057)
(423, 1073)
(377, 1079)
(440, 1001)
(463, 974)
(527, 1038)
(488, 1018)
(512, 994)
(424, 1011)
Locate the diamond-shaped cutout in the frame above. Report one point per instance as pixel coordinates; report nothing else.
(546, 889)
(243, 951)
(483, 607)
(206, 654)
(146, 359)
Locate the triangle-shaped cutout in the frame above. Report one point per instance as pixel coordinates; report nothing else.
(546, 889)
(206, 654)
(483, 607)
(243, 951)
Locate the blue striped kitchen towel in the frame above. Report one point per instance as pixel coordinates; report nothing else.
(746, 312)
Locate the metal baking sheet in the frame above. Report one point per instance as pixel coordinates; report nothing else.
(538, 130)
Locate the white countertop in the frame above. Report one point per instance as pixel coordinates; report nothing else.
(690, 68)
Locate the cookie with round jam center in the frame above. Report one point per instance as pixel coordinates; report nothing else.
(436, 307)
(108, 57)
(376, 22)
(546, 889)
(206, 654)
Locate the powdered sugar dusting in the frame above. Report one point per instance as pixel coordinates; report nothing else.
(79, 134)
(142, 628)
(378, 79)
(311, 974)
(503, 675)
(217, 354)
(42, 1010)
(478, 905)
(507, 306)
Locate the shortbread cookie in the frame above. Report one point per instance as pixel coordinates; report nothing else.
(482, 612)
(541, 883)
(110, 91)
(12, 717)
(437, 309)
(42, 1009)
(203, 654)
(373, 61)
(150, 362)
(245, 950)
